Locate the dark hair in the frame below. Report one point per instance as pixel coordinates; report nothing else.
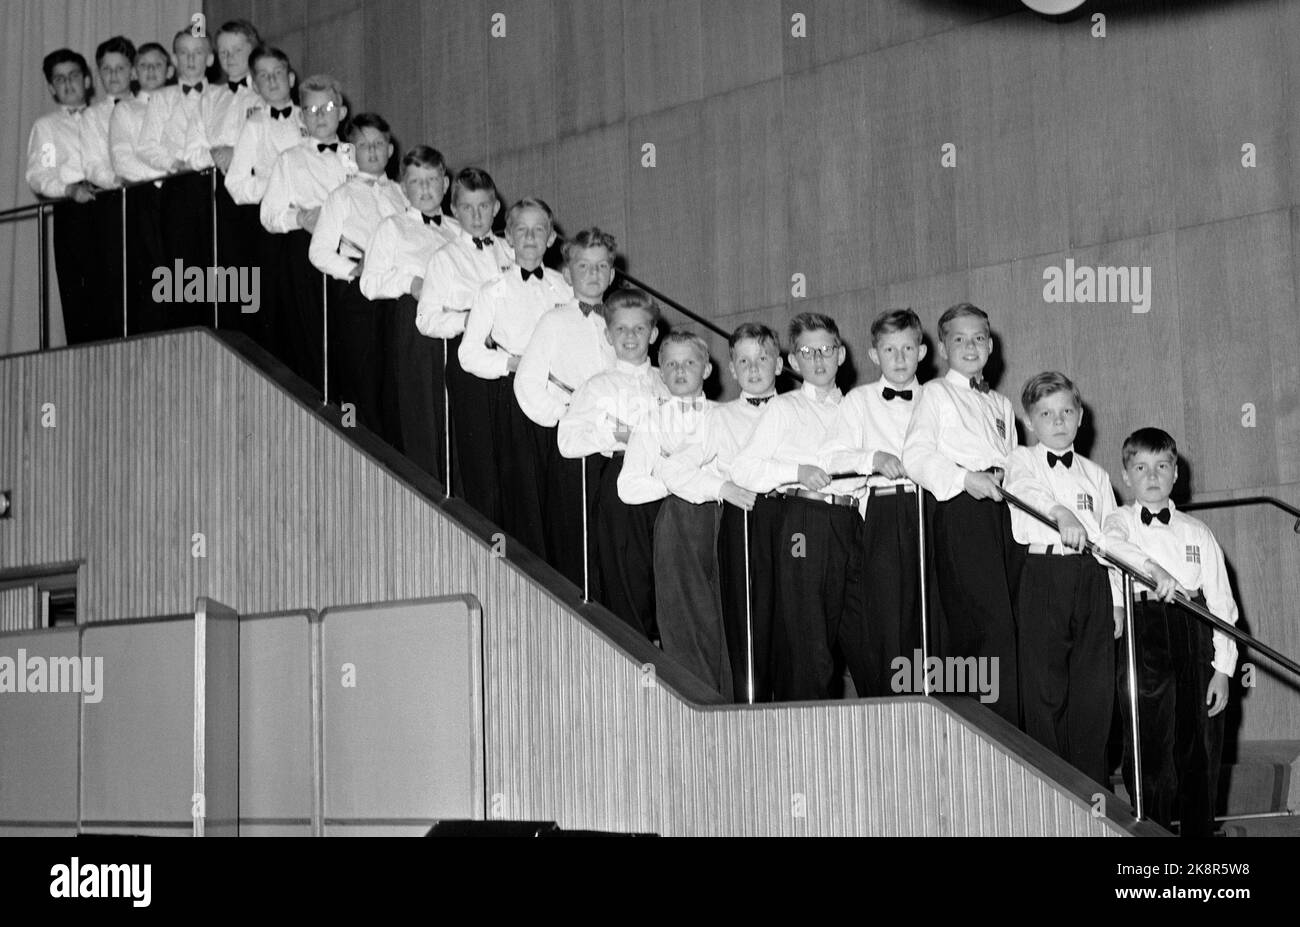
(630, 297)
(153, 46)
(62, 56)
(895, 320)
(812, 322)
(423, 156)
(118, 44)
(1044, 384)
(1151, 440)
(242, 27)
(368, 121)
(589, 238)
(472, 178)
(961, 310)
(752, 331)
(266, 51)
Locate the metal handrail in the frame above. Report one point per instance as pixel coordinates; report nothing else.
(48, 202)
(668, 300)
(1246, 500)
(1200, 611)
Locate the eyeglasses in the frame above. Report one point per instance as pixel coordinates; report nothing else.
(320, 108)
(825, 352)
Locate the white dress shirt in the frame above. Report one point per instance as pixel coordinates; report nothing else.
(508, 309)
(175, 127)
(399, 251)
(955, 430)
(54, 155)
(790, 432)
(1188, 551)
(96, 157)
(625, 393)
(124, 139)
(303, 177)
(666, 455)
(1084, 488)
(568, 346)
(348, 220)
(731, 425)
(452, 279)
(261, 142)
(230, 110)
(868, 423)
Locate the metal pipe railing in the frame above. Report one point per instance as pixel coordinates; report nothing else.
(1246, 500)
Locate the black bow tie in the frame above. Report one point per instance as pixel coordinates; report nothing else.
(435, 219)
(900, 393)
(535, 272)
(234, 85)
(1067, 458)
(281, 113)
(979, 383)
(196, 88)
(484, 242)
(588, 308)
(332, 146)
(1161, 516)
(757, 400)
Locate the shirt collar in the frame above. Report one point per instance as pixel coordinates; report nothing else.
(1138, 506)
(810, 392)
(768, 395)
(1043, 449)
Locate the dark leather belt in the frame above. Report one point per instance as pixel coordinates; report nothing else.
(828, 498)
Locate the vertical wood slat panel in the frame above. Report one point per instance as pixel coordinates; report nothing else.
(296, 517)
(19, 608)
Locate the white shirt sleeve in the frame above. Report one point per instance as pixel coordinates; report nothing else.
(278, 212)
(475, 356)
(323, 252)
(533, 375)
(637, 481)
(43, 174)
(586, 427)
(922, 459)
(151, 147)
(243, 183)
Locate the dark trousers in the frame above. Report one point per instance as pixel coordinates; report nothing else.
(521, 449)
(264, 326)
(1067, 658)
(299, 317)
(1181, 745)
(882, 614)
(563, 504)
(625, 553)
(356, 352)
(412, 391)
(474, 463)
(764, 524)
(76, 254)
(185, 230)
(688, 594)
(812, 567)
(977, 564)
(239, 230)
(144, 253)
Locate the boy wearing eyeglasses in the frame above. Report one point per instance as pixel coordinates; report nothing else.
(300, 181)
(956, 448)
(819, 514)
(347, 221)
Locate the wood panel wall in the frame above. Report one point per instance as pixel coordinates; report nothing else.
(820, 156)
(159, 439)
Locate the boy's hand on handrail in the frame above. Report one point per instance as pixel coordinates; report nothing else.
(815, 478)
(1073, 534)
(983, 485)
(1166, 585)
(83, 191)
(739, 497)
(1117, 612)
(886, 464)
